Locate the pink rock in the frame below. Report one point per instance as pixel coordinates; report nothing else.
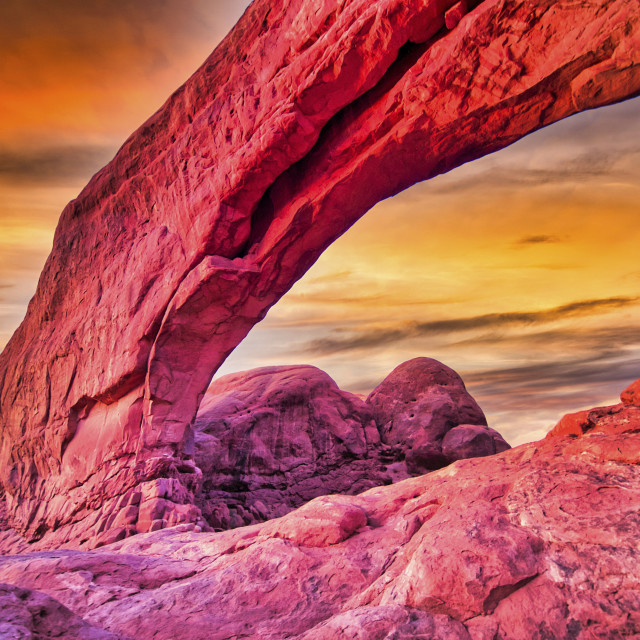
(268, 440)
(418, 404)
(539, 541)
(30, 615)
(472, 441)
(631, 395)
(303, 118)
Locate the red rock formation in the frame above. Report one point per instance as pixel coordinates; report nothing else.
(416, 407)
(537, 542)
(29, 615)
(269, 440)
(304, 117)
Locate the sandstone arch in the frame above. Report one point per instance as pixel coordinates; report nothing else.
(304, 117)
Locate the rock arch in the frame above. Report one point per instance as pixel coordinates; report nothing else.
(304, 117)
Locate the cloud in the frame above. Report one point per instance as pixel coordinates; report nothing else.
(85, 33)
(541, 239)
(585, 166)
(555, 385)
(385, 336)
(52, 165)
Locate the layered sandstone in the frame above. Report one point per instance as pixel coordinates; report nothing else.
(537, 542)
(304, 117)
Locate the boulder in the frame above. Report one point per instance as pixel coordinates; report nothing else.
(31, 615)
(418, 404)
(271, 439)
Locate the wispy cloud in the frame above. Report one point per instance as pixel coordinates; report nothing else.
(52, 165)
(596, 163)
(539, 239)
(385, 336)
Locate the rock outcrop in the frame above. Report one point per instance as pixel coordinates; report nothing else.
(417, 406)
(537, 542)
(29, 615)
(304, 117)
(269, 440)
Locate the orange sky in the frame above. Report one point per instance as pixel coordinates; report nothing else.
(518, 270)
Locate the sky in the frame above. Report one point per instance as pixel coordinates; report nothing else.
(518, 270)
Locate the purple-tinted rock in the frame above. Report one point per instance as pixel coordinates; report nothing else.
(305, 116)
(268, 440)
(472, 441)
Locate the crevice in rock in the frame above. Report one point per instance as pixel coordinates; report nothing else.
(503, 591)
(265, 213)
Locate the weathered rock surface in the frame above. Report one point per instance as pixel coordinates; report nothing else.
(303, 118)
(418, 404)
(30, 615)
(537, 542)
(271, 439)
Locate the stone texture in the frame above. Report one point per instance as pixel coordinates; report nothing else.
(472, 441)
(631, 395)
(537, 542)
(268, 440)
(271, 439)
(304, 117)
(417, 404)
(30, 615)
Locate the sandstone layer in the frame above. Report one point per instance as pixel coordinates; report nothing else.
(534, 543)
(304, 117)
(271, 439)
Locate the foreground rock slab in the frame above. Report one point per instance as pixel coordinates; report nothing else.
(304, 117)
(30, 615)
(538, 542)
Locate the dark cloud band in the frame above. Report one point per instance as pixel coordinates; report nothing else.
(57, 165)
(381, 337)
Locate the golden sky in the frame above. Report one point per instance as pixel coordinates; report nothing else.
(519, 270)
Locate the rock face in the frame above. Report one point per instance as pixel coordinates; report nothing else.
(537, 542)
(269, 440)
(417, 406)
(304, 117)
(29, 615)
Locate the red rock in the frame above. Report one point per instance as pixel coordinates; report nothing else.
(268, 440)
(453, 16)
(29, 615)
(302, 119)
(631, 395)
(540, 541)
(416, 406)
(472, 441)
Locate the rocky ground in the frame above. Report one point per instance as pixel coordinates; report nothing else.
(540, 541)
